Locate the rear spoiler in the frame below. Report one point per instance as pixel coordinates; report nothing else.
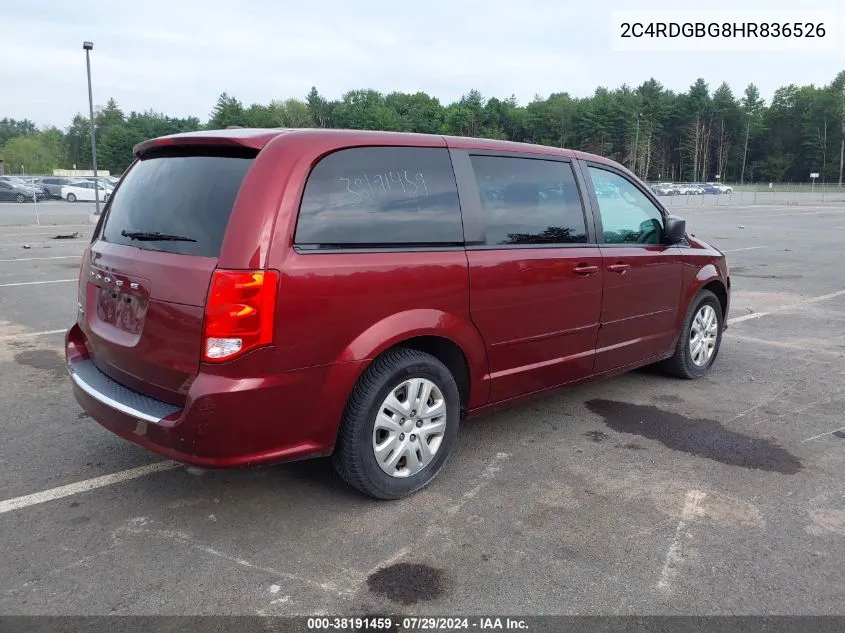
(233, 137)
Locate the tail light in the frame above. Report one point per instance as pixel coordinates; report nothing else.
(239, 313)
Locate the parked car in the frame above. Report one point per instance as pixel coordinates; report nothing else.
(690, 190)
(108, 181)
(17, 190)
(85, 190)
(720, 187)
(256, 296)
(664, 190)
(53, 185)
(710, 189)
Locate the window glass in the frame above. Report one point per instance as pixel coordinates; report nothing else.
(529, 201)
(381, 196)
(183, 194)
(627, 215)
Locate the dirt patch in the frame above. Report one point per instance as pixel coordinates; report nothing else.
(408, 583)
(829, 520)
(668, 397)
(596, 436)
(696, 436)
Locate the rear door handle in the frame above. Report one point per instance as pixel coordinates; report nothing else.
(619, 268)
(585, 269)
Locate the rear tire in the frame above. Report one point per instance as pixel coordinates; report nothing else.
(71, 197)
(697, 335)
(374, 408)
(20, 198)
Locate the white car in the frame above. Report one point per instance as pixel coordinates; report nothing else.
(84, 190)
(691, 190)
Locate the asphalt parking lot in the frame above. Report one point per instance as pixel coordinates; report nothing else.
(642, 494)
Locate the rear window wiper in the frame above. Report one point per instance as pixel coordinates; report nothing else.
(146, 236)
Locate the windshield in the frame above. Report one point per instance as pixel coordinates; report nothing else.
(189, 195)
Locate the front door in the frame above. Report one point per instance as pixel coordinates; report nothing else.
(642, 274)
(536, 280)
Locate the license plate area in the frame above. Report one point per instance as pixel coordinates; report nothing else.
(121, 310)
(121, 301)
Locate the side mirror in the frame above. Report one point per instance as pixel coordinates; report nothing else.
(675, 229)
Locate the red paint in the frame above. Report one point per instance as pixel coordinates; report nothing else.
(642, 292)
(525, 320)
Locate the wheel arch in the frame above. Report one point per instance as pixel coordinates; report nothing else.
(448, 337)
(718, 288)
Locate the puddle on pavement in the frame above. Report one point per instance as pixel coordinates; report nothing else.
(46, 360)
(696, 436)
(408, 583)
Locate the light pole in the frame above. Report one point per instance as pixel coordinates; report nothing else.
(636, 143)
(89, 46)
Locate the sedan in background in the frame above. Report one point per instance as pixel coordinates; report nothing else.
(53, 185)
(85, 190)
(690, 190)
(663, 190)
(18, 191)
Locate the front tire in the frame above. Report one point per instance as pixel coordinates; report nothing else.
(399, 426)
(700, 338)
(20, 199)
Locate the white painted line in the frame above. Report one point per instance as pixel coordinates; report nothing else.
(33, 283)
(675, 554)
(746, 317)
(10, 337)
(815, 437)
(28, 233)
(799, 304)
(52, 243)
(84, 486)
(747, 248)
(32, 259)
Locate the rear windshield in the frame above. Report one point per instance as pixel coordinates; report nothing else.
(186, 195)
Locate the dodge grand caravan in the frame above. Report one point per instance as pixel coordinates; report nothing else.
(256, 296)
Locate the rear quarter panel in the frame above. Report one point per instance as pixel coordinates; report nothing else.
(347, 307)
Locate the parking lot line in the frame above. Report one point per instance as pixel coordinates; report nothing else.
(10, 337)
(27, 233)
(815, 437)
(74, 241)
(747, 248)
(83, 486)
(32, 259)
(33, 283)
(674, 555)
(798, 304)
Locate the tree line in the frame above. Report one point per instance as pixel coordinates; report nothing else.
(660, 134)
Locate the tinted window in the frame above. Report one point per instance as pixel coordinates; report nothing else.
(627, 215)
(528, 201)
(381, 196)
(186, 195)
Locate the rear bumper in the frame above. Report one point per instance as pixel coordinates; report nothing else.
(226, 422)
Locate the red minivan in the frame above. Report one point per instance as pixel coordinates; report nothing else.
(255, 296)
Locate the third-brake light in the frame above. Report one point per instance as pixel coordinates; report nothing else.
(239, 313)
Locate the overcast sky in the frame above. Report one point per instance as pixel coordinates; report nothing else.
(177, 56)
